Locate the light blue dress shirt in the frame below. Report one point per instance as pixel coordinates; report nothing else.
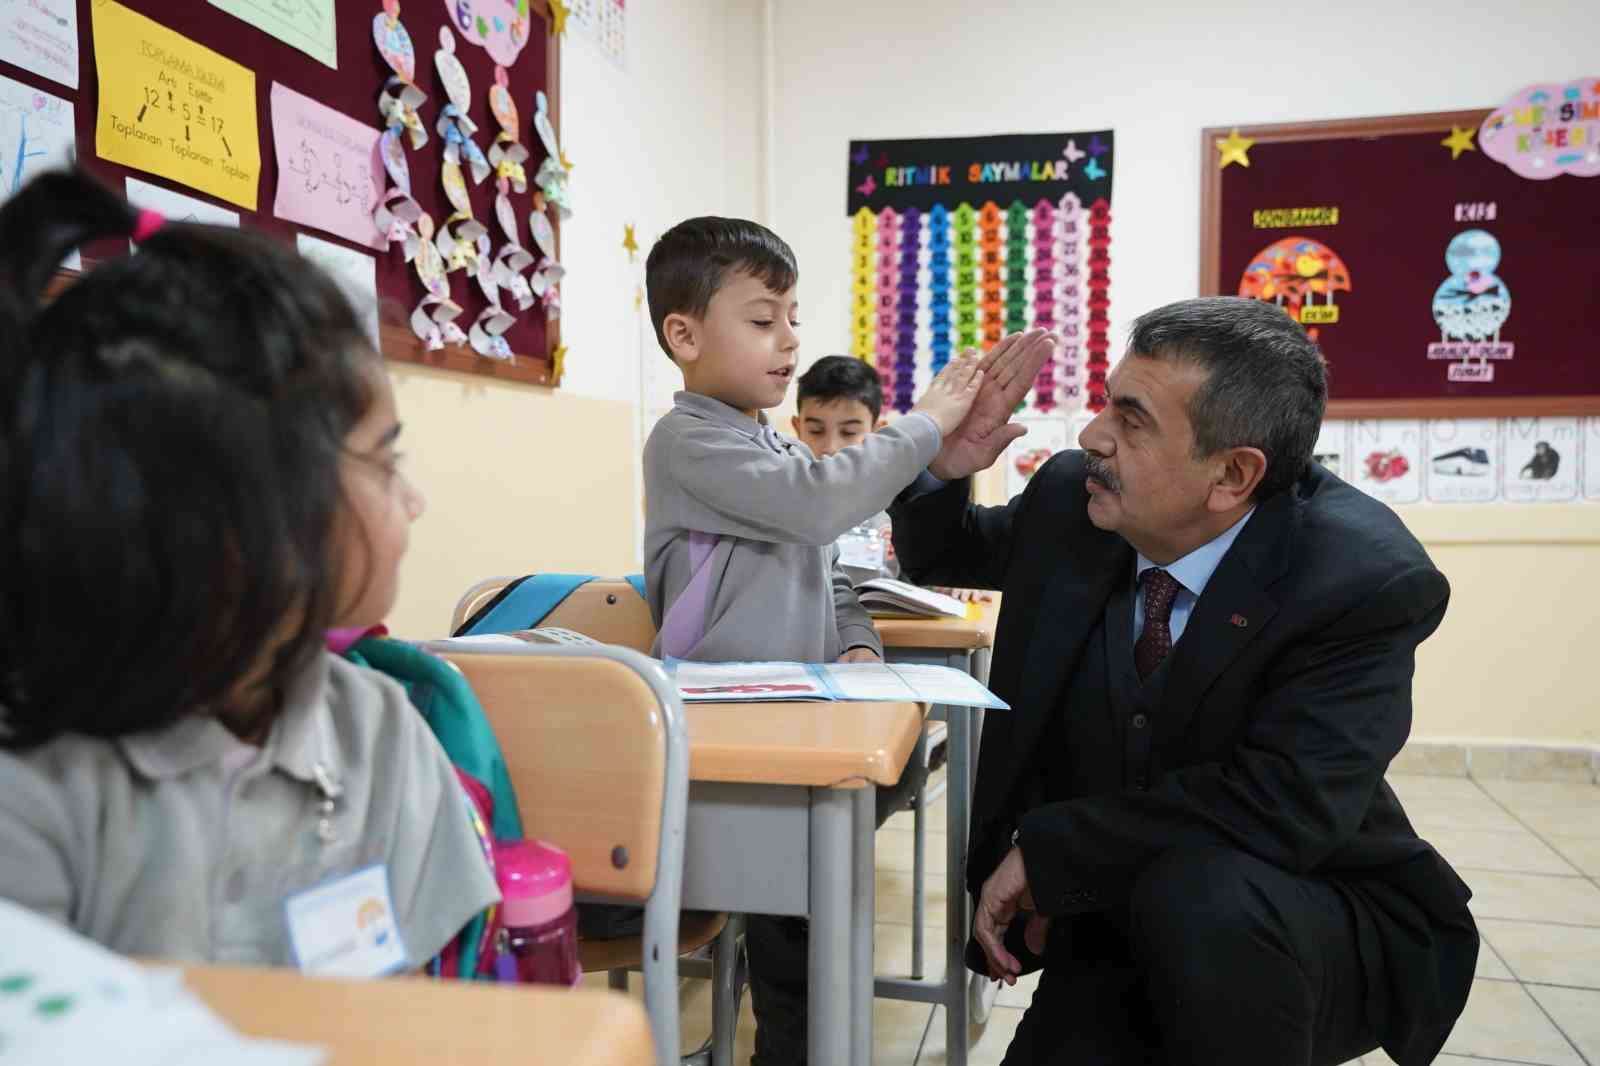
(1192, 572)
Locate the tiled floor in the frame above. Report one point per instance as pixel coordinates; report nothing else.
(1530, 851)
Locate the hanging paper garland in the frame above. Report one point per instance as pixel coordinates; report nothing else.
(433, 320)
(400, 99)
(1069, 299)
(864, 286)
(905, 344)
(965, 243)
(551, 179)
(888, 306)
(939, 284)
(1043, 220)
(1099, 302)
(990, 244)
(507, 156)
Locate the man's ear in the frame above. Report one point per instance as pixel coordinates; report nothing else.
(1241, 470)
(794, 420)
(683, 337)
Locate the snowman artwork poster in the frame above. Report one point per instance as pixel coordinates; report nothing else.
(1471, 307)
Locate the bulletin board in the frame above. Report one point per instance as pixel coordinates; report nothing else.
(352, 88)
(1438, 281)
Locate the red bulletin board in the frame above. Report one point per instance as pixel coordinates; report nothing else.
(1367, 209)
(353, 89)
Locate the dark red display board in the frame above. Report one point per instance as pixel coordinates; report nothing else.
(1391, 315)
(353, 89)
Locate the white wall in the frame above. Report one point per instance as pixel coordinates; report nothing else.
(1155, 72)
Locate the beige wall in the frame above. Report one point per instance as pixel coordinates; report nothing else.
(518, 479)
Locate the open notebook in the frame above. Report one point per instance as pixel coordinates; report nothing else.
(884, 597)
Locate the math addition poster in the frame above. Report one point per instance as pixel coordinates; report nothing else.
(175, 108)
(959, 241)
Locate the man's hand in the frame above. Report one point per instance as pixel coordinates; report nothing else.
(1004, 894)
(860, 655)
(1008, 373)
(966, 595)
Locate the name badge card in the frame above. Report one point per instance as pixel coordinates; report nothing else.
(346, 927)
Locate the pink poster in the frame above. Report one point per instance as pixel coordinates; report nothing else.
(330, 175)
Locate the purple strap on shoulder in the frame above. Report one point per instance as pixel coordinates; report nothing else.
(685, 621)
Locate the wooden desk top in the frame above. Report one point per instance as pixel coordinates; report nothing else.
(378, 1023)
(950, 634)
(821, 744)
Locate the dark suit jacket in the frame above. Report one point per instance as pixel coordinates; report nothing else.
(1272, 737)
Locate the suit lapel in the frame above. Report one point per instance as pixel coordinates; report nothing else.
(1071, 607)
(1232, 611)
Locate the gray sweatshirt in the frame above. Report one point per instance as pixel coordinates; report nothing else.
(740, 526)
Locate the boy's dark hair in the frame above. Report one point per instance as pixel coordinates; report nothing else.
(691, 260)
(171, 433)
(841, 377)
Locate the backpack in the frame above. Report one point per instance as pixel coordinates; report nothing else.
(447, 703)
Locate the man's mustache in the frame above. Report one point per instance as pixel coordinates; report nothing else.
(1098, 470)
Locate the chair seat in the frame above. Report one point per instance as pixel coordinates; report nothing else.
(695, 930)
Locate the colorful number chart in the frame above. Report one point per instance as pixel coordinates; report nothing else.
(956, 242)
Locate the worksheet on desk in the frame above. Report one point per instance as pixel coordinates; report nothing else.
(905, 681)
(867, 682)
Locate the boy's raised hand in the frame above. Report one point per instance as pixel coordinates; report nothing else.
(1008, 373)
(952, 393)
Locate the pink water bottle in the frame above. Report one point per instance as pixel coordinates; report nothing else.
(539, 939)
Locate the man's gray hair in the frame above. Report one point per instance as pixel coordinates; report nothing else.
(1266, 385)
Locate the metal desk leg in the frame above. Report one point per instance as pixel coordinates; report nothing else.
(957, 793)
(865, 816)
(829, 964)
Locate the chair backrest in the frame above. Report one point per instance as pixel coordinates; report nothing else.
(608, 610)
(594, 742)
(476, 597)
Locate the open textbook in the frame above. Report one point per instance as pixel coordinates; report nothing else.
(714, 682)
(884, 597)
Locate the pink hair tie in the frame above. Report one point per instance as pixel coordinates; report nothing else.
(149, 222)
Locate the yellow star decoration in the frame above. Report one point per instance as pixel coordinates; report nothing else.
(566, 164)
(1234, 148)
(558, 18)
(629, 241)
(1460, 140)
(638, 297)
(558, 364)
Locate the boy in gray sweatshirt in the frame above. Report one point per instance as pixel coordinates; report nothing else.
(741, 523)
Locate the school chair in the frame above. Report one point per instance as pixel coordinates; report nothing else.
(595, 745)
(613, 611)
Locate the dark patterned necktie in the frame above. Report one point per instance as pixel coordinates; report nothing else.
(1160, 592)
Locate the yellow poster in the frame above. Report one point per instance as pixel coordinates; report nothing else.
(175, 108)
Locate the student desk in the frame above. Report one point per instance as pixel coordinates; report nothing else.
(781, 821)
(377, 1023)
(963, 644)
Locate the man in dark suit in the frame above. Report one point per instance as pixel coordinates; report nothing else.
(1207, 642)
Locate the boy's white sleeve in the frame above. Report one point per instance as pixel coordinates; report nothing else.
(728, 485)
(855, 624)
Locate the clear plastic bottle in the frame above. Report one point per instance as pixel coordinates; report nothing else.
(539, 934)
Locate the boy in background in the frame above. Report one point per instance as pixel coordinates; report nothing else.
(741, 523)
(839, 402)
